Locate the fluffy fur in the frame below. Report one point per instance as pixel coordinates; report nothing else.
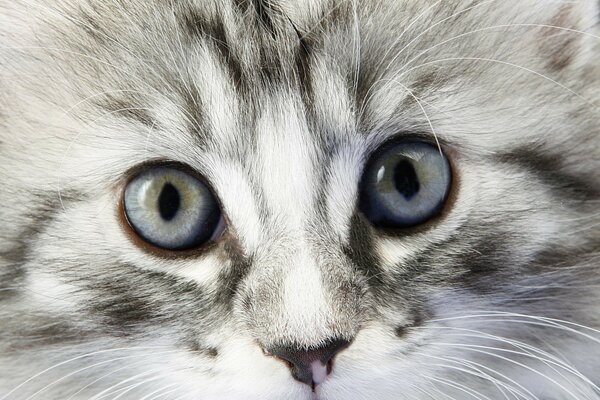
(279, 104)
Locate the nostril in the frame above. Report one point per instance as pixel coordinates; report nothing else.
(312, 365)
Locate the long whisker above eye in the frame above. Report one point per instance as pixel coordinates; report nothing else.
(357, 45)
(506, 63)
(399, 53)
(435, 136)
(74, 140)
(489, 28)
(403, 33)
(454, 15)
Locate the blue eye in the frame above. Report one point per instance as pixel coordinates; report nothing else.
(405, 185)
(171, 209)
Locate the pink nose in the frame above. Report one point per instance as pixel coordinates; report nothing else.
(309, 366)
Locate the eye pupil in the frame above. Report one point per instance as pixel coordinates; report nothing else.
(405, 184)
(406, 179)
(169, 202)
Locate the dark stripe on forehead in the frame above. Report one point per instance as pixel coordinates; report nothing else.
(260, 12)
(127, 108)
(550, 170)
(193, 108)
(213, 30)
(303, 57)
(263, 11)
(272, 66)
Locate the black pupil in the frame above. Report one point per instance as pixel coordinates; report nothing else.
(169, 202)
(406, 179)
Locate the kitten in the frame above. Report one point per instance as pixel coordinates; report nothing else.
(315, 199)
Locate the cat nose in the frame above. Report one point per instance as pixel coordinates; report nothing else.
(309, 366)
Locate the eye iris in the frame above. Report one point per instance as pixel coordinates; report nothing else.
(171, 209)
(405, 185)
(169, 202)
(406, 179)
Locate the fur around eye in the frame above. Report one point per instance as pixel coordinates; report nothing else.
(405, 185)
(171, 209)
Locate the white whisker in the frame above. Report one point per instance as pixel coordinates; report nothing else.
(501, 62)
(75, 359)
(471, 392)
(477, 349)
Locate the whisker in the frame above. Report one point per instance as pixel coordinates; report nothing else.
(75, 359)
(432, 27)
(111, 389)
(515, 343)
(403, 33)
(476, 349)
(357, 45)
(542, 356)
(159, 395)
(478, 373)
(132, 387)
(438, 391)
(501, 62)
(557, 323)
(488, 28)
(152, 395)
(115, 371)
(89, 367)
(497, 382)
(399, 53)
(512, 388)
(424, 113)
(471, 392)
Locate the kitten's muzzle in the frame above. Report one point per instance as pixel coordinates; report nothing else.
(310, 366)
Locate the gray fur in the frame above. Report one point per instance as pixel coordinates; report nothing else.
(279, 105)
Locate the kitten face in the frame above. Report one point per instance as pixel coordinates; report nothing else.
(280, 109)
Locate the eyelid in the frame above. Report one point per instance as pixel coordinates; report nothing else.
(380, 146)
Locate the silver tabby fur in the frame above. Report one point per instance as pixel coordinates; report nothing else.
(279, 104)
